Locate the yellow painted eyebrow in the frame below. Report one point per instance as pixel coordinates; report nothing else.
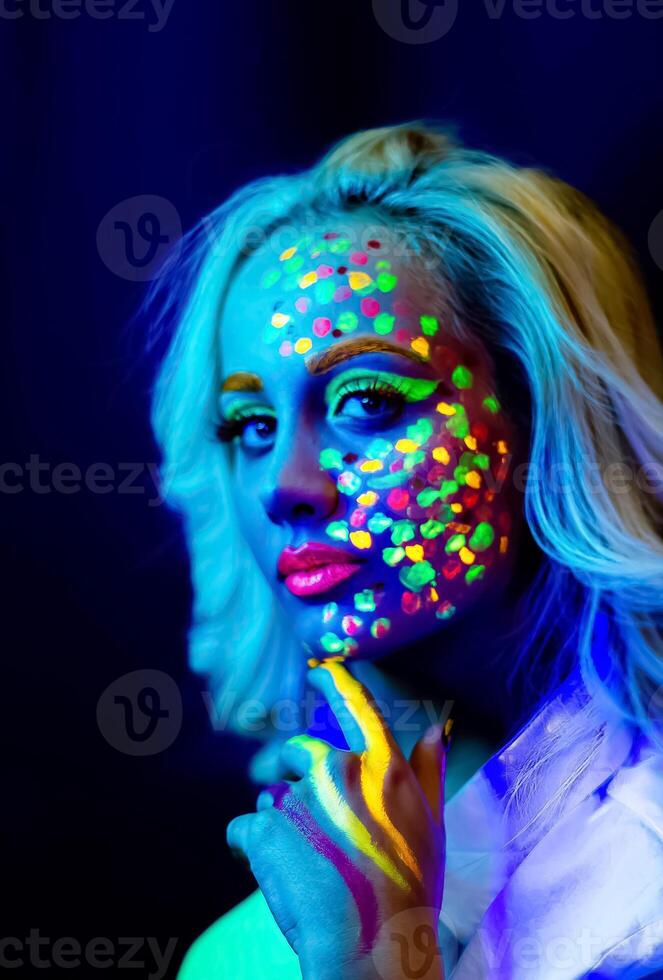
(345, 349)
(242, 381)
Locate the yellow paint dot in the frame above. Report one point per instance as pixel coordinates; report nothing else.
(288, 254)
(458, 528)
(308, 279)
(433, 593)
(502, 447)
(358, 280)
(504, 544)
(489, 496)
(414, 552)
(441, 454)
(361, 539)
(367, 499)
(470, 442)
(444, 408)
(406, 445)
(421, 346)
(466, 556)
(280, 319)
(473, 479)
(371, 465)
(457, 508)
(303, 344)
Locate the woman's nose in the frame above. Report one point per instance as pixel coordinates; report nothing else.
(302, 492)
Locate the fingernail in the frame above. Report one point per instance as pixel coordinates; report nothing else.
(446, 733)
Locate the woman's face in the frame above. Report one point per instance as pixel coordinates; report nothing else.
(369, 449)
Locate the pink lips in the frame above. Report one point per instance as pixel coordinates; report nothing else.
(314, 568)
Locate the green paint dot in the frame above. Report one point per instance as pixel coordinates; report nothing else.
(348, 482)
(388, 480)
(338, 530)
(383, 323)
(331, 459)
(402, 531)
(339, 245)
(386, 282)
(491, 404)
(474, 573)
(383, 264)
(294, 264)
(379, 523)
(329, 611)
(426, 497)
(455, 543)
(324, 291)
(379, 448)
(365, 601)
(482, 537)
(379, 627)
(331, 643)
(431, 529)
(347, 321)
(414, 577)
(448, 488)
(392, 556)
(481, 461)
(429, 325)
(460, 473)
(462, 377)
(413, 459)
(421, 431)
(445, 613)
(458, 424)
(271, 277)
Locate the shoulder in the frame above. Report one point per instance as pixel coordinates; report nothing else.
(244, 943)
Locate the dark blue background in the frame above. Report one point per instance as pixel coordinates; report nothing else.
(99, 843)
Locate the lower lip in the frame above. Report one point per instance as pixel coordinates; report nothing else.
(313, 581)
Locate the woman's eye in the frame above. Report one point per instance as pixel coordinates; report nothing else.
(383, 407)
(251, 431)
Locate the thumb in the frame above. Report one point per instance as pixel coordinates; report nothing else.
(428, 760)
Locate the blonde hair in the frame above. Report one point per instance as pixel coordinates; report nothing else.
(532, 267)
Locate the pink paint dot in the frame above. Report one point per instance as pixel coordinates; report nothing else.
(410, 603)
(321, 326)
(325, 271)
(302, 304)
(396, 466)
(330, 234)
(401, 307)
(398, 498)
(343, 292)
(358, 517)
(403, 336)
(351, 625)
(286, 348)
(370, 307)
(359, 258)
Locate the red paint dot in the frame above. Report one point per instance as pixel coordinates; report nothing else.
(321, 326)
(398, 498)
(403, 336)
(430, 548)
(342, 269)
(337, 333)
(330, 234)
(470, 498)
(479, 431)
(396, 466)
(370, 307)
(410, 603)
(350, 458)
(359, 258)
(373, 243)
(451, 569)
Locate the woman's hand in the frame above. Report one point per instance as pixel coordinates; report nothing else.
(350, 856)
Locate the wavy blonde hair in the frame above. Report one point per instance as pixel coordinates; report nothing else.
(531, 266)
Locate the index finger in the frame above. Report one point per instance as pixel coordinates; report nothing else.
(360, 718)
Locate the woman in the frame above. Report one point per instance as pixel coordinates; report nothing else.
(411, 415)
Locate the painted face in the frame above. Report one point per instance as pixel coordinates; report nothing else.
(369, 449)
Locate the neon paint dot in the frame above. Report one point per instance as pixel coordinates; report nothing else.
(445, 610)
(325, 271)
(338, 530)
(302, 304)
(379, 448)
(329, 611)
(361, 539)
(359, 258)
(470, 498)
(294, 264)
(321, 326)
(427, 497)
(348, 483)
(386, 282)
(414, 577)
(303, 344)
(462, 377)
(474, 573)
(286, 348)
(379, 523)
(429, 325)
(413, 459)
(398, 498)
(270, 278)
(444, 408)
(287, 254)
(502, 447)
(433, 595)
(370, 307)
(421, 346)
(347, 321)
(351, 624)
(393, 479)
(448, 488)
(350, 647)
(392, 556)
(339, 246)
(406, 446)
(308, 280)
(482, 537)
(371, 466)
(441, 454)
(380, 627)
(410, 603)
(431, 529)
(367, 499)
(331, 459)
(420, 431)
(481, 461)
(365, 601)
(491, 404)
(373, 243)
(473, 479)
(466, 556)
(414, 552)
(342, 269)
(358, 517)
(504, 545)
(330, 235)
(451, 569)
(359, 280)
(470, 442)
(402, 336)
(280, 319)
(458, 425)
(455, 543)
(384, 323)
(402, 531)
(331, 643)
(325, 291)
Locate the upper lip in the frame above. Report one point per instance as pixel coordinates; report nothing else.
(312, 554)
